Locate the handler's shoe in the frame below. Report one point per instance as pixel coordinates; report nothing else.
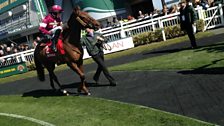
(194, 47)
(113, 83)
(96, 79)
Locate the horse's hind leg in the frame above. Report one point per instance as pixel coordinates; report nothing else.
(82, 86)
(52, 81)
(53, 77)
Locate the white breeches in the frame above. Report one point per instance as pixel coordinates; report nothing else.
(55, 29)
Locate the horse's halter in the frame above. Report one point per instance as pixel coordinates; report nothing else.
(81, 21)
(85, 20)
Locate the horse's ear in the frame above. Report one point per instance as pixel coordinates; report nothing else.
(76, 10)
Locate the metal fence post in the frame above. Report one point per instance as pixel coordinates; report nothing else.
(221, 13)
(161, 27)
(23, 58)
(200, 13)
(17, 59)
(122, 32)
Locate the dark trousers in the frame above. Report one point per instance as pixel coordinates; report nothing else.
(99, 59)
(191, 36)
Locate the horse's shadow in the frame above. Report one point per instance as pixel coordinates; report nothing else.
(88, 84)
(71, 88)
(42, 93)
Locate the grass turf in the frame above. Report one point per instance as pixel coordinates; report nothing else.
(88, 111)
(209, 57)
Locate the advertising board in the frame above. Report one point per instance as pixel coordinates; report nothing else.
(13, 69)
(118, 45)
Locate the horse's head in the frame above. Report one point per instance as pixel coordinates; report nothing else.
(85, 19)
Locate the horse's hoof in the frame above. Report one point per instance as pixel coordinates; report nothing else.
(65, 92)
(85, 93)
(113, 83)
(88, 93)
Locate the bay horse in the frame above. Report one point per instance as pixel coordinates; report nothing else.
(73, 55)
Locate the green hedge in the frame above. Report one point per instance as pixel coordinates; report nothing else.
(31, 66)
(170, 32)
(200, 24)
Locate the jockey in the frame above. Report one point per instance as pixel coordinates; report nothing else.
(51, 26)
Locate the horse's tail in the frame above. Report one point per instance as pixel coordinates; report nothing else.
(39, 66)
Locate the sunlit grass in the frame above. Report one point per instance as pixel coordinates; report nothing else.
(88, 111)
(190, 59)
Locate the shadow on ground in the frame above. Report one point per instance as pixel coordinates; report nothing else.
(168, 51)
(219, 47)
(71, 88)
(219, 70)
(205, 70)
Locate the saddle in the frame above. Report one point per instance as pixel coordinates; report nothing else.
(49, 52)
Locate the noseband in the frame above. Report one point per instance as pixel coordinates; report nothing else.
(81, 21)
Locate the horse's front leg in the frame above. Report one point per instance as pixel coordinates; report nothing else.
(82, 86)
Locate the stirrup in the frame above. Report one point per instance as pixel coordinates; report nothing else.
(54, 49)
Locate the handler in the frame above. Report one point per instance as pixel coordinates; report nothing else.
(93, 42)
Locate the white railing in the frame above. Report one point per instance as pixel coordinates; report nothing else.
(25, 56)
(213, 17)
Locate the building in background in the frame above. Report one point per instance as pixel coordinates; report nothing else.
(106, 10)
(19, 20)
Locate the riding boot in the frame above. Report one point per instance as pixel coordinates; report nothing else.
(44, 39)
(55, 40)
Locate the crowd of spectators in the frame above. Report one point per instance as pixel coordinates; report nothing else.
(165, 11)
(175, 7)
(7, 49)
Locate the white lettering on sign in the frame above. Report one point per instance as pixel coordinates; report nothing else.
(118, 45)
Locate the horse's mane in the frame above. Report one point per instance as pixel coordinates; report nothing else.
(84, 17)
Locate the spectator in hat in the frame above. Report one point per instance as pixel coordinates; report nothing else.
(188, 20)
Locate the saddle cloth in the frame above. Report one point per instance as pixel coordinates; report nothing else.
(48, 50)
